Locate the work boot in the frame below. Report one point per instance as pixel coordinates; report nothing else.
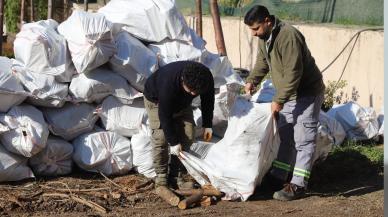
(289, 192)
(167, 195)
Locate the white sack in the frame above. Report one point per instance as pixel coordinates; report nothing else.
(39, 48)
(133, 60)
(11, 91)
(169, 51)
(44, 89)
(71, 120)
(142, 153)
(358, 122)
(28, 130)
(54, 160)
(237, 163)
(125, 120)
(105, 152)
(95, 85)
(13, 167)
(89, 38)
(221, 69)
(330, 133)
(380, 119)
(149, 20)
(265, 93)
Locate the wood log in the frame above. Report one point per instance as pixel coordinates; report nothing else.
(190, 201)
(206, 201)
(167, 195)
(206, 192)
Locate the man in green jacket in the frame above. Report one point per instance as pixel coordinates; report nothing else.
(299, 88)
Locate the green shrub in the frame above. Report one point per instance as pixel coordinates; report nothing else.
(12, 14)
(332, 95)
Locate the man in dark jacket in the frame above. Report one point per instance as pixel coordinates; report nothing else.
(168, 95)
(299, 95)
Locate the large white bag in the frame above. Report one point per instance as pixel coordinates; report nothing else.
(358, 122)
(11, 91)
(330, 133)
(95, 85)
(380, 119)
(221, 68)
(266, 92)
(71, 120)
(27, 131)
(13, 167)
(142, 153)
(54, 160)
(237, 163)
(89, 39)
(39, 48)
(44, 89)
(169, 51)
(133, 60)
(149, 20)
(105, 152)
(125, 120)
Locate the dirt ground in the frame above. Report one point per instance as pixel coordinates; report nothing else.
(345, 193)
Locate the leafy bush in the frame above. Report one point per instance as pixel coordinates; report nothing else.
(41, 10)
(332, 95)
(12, 12)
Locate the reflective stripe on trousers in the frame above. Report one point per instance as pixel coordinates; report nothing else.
(297, 125)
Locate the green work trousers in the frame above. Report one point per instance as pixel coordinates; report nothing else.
(184, 128)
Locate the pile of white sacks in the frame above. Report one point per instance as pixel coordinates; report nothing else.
(73, 94)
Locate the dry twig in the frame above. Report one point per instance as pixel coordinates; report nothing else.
(78, 199)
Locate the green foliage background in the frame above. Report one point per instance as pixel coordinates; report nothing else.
(346, 12)
(12, 13)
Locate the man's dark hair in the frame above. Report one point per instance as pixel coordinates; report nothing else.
(197, 77)
(256, 14)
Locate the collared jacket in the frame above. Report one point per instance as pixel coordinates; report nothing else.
(293, 69)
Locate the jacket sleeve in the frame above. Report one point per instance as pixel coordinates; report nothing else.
(290, 54)
(207, 106)
(166, 118)
(260, 69)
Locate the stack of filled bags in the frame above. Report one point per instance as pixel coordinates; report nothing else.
(66, 77)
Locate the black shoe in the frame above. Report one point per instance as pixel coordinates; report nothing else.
(289, 192)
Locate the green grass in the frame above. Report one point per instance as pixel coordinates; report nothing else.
(372, 152)
(351, 165)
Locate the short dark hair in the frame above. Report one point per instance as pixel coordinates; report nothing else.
(197, 77)
(256, 14)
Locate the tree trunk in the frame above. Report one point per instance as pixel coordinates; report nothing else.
(1, 25)
(65, 9)
(32, 11)
(217, 27)
(23, 3)
(50, 9)
(86, 5)
(198, 15)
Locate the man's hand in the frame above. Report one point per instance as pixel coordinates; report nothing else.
(249, 87)
(276, 108)
(207, 134)
(176, 149)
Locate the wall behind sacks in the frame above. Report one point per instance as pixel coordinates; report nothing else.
(365, 69)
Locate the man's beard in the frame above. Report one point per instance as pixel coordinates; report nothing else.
(264, 37)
